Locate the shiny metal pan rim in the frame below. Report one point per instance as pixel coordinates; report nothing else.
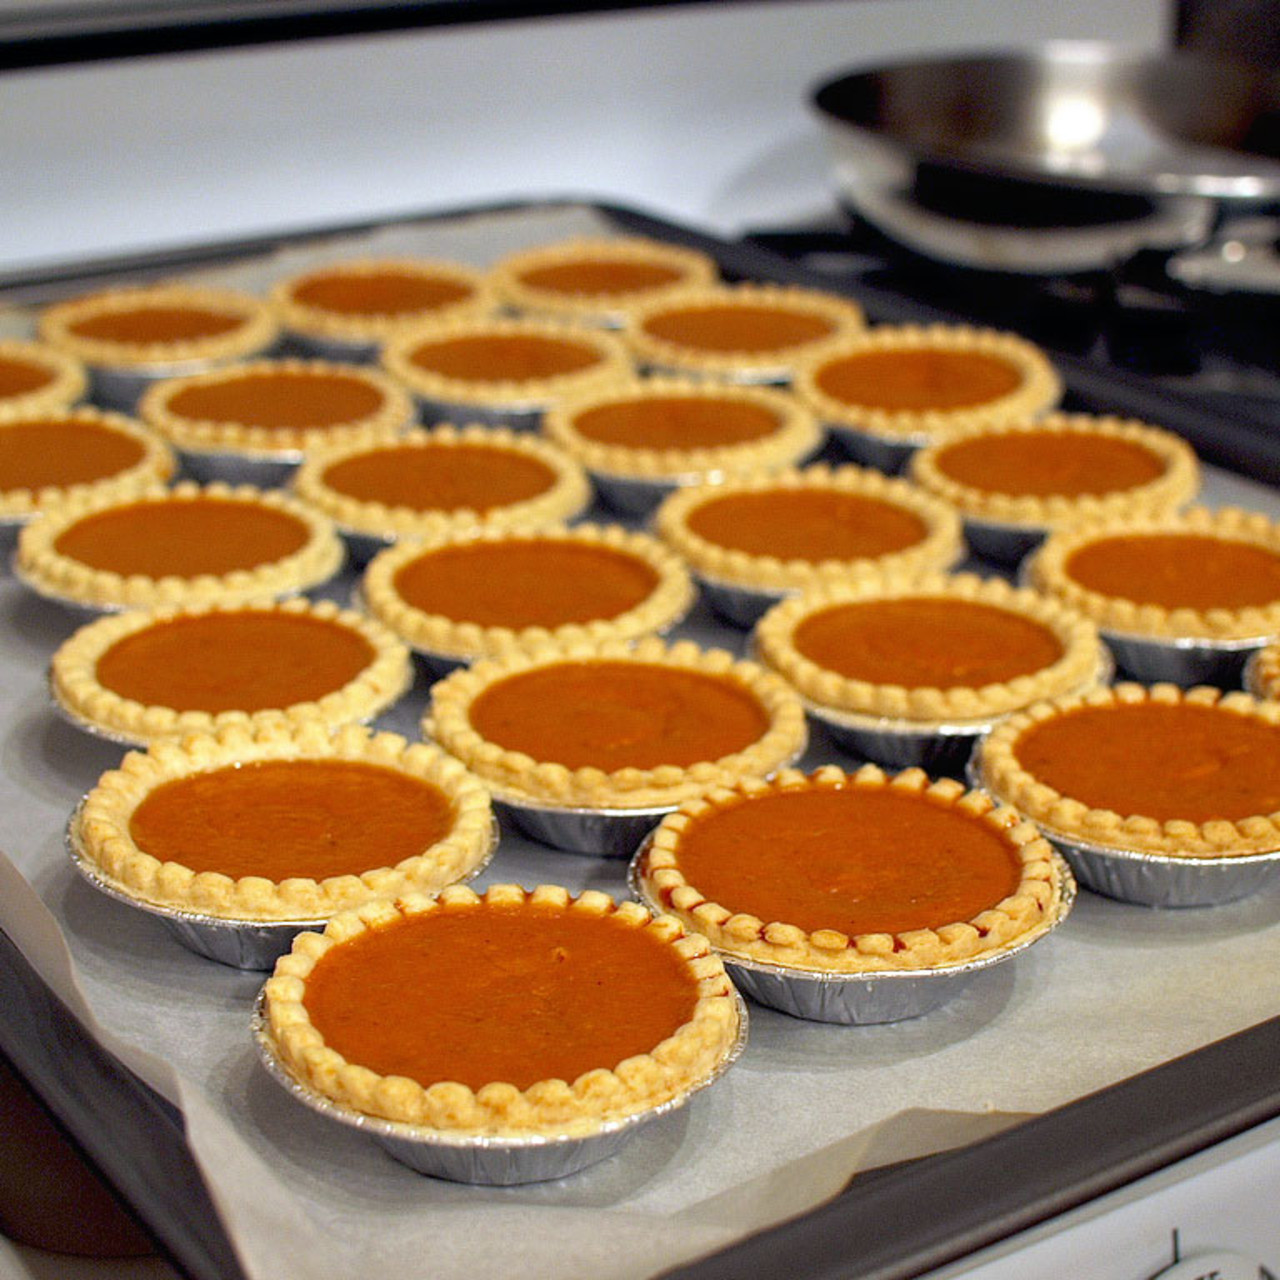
(264, 469)
(738, 605)
(889, 454)
(484, 1159)
(1004, 542)
(608, 832)
(1183, 660)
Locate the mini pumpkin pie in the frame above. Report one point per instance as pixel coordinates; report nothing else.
(1183, 598)
(177, 546)
(642, 438)
(482, 593)
(903, 672)
(57, 454)
(888, 391)
(598, 279)
(739, 333)
(502, 371)
(830, 875)
(429, 483)
(561, 1016)
(36, 378)
(752, 541)
(348, 309)
(144, 674)
(273, 411)
(615, 726)
(129, 337)
(1014, 483)
(285, 823)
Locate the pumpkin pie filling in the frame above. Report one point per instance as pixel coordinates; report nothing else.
(535, 993)
(618, 715)
(675, 422)
(1178, 570)
(899, 380)
(746, 328)
(278, 399)
(526, 583)
(591, 276)
(379, 293)
(155, 324)
(853, 859)
(503, 357)
(1043, 464)
(808, 524)
(21, 377)
(58, 452)
(1163, 761)
(286, 818)
(453, 477)
(926, 642)
(185, 539)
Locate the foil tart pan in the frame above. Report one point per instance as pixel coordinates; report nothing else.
(312, 346)
(1003, 543)
(264, 470)
(739, 606)
(120, 388)
(937, 748)
(633, 495)
(516, 417)
(495, 1161)
(861, 999)
(776, 377)
(1184, 661)
(240, 944)
(606, 833)
(881, 452)
(362, 546)
(10, 528)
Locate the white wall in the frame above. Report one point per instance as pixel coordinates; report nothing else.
(697, 113)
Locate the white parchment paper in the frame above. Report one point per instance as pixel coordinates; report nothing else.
(1117, 989)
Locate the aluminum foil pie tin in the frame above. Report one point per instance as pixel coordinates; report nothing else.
(312, 346)
(1184, 661)
(264, 470)
(936, 748)
(120, 388)
(1004, 543)
(515, 417)
(858, 999)
(606, 833)
(739, 606)
(632, 495)
(881, 452)
(495, 1161)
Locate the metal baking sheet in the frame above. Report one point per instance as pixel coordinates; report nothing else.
(808, 1107)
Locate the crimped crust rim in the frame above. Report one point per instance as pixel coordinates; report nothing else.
(1262, 673)
(512, 394)
(256, 332)
(1039, 390)
(156, 465)
(101, 826)
(1176, 485)
(845, 314)
(1080, 665)
(999, 771)
(568, 494)
(692, 1055)
(309, 320)
(515, 775)
(1045, 570)
(49, 572)
(797, 435)
(74, 683)
(670, 599)
(69, 381)
(610, 309)
(941, 546)
(1035, 905)
(393, 414)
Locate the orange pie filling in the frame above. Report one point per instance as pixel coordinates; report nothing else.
(288, 818)
(539, 582)
(676, 423)
(503, 357)
(918, 380)
(926, 643)
(384, 292)
(586, 277)
(234, 661)
(21, 377)
(1072, 464)
(458, 477)
(1178, 570)
(147, 325)
(751, 329)
(281, 399)
(59, 452)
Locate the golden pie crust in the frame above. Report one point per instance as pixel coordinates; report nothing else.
(74, 682)
(359, 325)
(1029, 910)
(518, 776)
(839, 317)
(253, 331)
(513, 394)
(1176, 483)
(390, 409)
(690, 1056)
(155, 465)
(1001, 772)
(49, 572)
(528, 279)
(1037, 387)
(939, 547)
(568, 490)
(1047, 571)
(669, 599)
(56, 379)
(103, 833)
(1080, 665)
(795, 436)
(1263, 673)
